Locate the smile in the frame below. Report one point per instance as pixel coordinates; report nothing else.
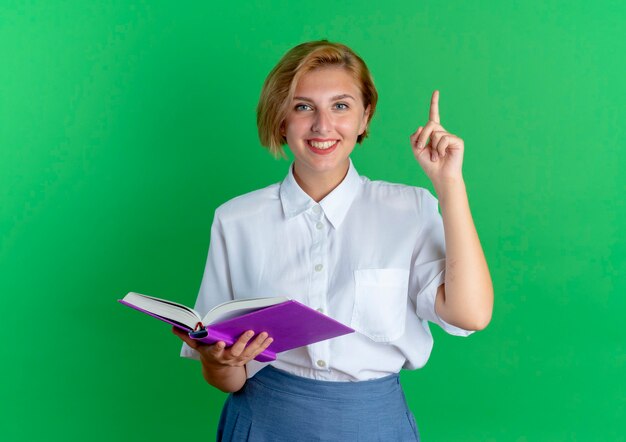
(322, 147)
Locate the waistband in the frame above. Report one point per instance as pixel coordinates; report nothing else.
(280, 380)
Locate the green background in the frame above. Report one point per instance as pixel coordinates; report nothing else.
(123, 125)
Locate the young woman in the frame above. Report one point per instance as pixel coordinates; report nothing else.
(374, 255)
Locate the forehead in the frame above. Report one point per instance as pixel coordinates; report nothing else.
(327, 81)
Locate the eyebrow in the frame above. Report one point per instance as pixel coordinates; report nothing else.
(336, 97)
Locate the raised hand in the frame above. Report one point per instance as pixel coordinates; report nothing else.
(441, 156)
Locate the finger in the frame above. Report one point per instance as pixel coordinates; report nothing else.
(218, 348)
(239, 346)
(442, 145)
(414, 136)
(434, 107)
(432, 146)
(253, 347)
(423, 136)
(260, 349)
(263, 347)
(435, 140)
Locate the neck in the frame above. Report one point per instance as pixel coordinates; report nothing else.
(317, 186)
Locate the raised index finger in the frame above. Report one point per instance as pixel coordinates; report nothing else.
(434, 107)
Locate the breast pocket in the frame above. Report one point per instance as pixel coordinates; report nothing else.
(380, 303)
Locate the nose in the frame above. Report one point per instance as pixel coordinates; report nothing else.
(322, 121)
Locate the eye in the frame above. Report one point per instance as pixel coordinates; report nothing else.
(302, 107)
(341, 106)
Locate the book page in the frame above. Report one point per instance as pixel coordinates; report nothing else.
(238, 307)
(164, 309)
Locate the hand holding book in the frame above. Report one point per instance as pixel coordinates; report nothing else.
(247, 347)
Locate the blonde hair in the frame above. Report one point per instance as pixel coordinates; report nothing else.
(280, 85)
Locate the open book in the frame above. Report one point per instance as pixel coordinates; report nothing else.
(290, 323)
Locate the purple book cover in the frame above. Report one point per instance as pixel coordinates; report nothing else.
(291, 325)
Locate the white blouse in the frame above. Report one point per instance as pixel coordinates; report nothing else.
(371, 255)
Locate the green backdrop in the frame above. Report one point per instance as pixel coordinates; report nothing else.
(123, 125)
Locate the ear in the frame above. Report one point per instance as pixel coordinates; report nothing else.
(365, 119)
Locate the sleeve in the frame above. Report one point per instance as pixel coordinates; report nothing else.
(216, 285)
(428, 268)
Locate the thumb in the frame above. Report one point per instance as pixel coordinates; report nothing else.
(415, 136)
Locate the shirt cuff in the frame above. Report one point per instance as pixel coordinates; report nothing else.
(188, 352)
(252, 367)
(426, 307)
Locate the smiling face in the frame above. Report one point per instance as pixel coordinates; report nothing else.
(321, 128)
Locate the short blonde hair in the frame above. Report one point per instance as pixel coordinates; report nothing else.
(280, 85)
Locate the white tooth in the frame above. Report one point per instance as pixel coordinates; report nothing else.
(323, 145)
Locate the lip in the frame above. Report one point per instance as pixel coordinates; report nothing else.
(317, 151)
